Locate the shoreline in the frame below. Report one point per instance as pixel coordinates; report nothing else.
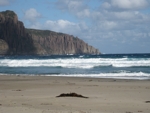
(71, 76)
(37, 94)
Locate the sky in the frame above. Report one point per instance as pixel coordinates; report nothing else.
(112, 26)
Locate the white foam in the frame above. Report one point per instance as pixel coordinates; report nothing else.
(121, 75)
(124, 75)
(75, 62)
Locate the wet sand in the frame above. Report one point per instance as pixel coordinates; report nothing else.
(37, 94)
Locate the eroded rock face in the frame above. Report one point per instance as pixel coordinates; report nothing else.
(20, 41)
(49, 42)
(3, 47)
(13, 32)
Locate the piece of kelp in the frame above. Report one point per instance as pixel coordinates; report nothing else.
(147, 101)
(71, 95)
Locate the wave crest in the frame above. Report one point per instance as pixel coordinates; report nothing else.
(75, 62)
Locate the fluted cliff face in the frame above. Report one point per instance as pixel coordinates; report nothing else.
(49, 42)
(15, 39)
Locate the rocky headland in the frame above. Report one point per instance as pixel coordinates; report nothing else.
(15, 39)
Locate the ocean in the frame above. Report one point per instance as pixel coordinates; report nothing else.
(121, 66)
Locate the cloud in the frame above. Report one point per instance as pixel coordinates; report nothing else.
(69, 5)
(120, 26)
(115, 24)
(32, 15)
(75, 7)
(64, 26)
(59, 25)
(4, 2)
(84, 13)
(126, 4)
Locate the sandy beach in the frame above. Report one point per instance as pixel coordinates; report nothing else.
(37, 94)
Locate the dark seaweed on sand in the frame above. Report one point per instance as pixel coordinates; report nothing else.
(71, 95)
(147, 101)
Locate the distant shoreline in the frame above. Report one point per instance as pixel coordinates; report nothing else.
(79, 77)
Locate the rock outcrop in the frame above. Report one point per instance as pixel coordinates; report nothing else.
(49, 42)
(15, 39)
(3, 47)
(14, 34)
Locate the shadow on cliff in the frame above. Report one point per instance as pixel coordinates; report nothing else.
(13, 33)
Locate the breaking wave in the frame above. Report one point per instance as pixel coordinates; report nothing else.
(76, 62)
(103, 66)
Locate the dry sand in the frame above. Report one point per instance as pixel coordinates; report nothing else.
(30, 94)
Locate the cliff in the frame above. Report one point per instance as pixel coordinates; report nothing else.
(13, 33)
(49, 42)
(15, 39)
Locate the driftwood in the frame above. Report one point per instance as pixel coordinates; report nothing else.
(71, 95)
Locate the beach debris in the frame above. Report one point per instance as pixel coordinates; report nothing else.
(18, 90)
(71, 95)
(147, 101)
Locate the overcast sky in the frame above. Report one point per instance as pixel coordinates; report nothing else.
(112, 26)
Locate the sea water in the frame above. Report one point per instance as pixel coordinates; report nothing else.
(125, 66)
